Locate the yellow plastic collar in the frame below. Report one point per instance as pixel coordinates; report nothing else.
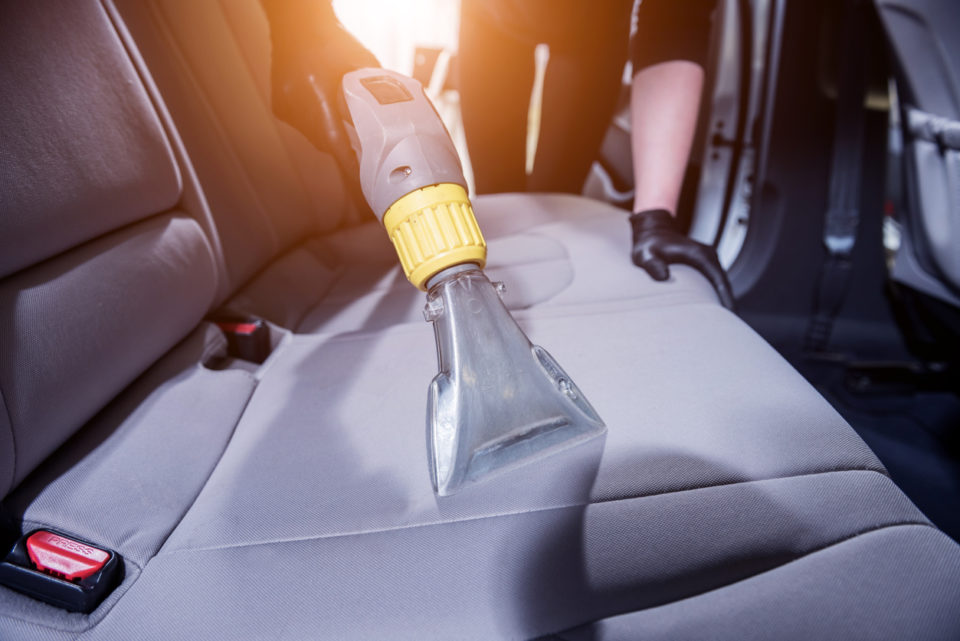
(434, 228)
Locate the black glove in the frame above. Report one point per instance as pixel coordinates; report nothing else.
(657, 244)
(311, 52)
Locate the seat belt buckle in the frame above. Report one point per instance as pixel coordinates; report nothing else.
(61, 569)
(248, 340)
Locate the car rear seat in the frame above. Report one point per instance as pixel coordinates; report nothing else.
(728, 500)
(212, 63)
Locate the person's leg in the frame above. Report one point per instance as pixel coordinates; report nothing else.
(580, 93)
(495, 79)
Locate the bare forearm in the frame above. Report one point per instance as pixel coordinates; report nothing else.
(665, 101)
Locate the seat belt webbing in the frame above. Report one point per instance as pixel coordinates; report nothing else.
(843, 207)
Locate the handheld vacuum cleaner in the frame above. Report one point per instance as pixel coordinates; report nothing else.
(498, 401)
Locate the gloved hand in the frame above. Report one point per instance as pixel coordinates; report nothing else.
(657, 244)
(311, 52)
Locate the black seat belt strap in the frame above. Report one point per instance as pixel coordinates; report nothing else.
(843, 207)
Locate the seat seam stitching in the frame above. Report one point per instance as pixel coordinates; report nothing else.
(337, 535)
(553, 312)
(213, 470)
(747, 578)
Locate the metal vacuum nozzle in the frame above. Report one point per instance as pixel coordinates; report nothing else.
(499, 401)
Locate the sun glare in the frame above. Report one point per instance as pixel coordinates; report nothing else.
(393, 29)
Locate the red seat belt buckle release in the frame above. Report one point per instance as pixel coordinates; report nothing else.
(63, 557)
(243, 329)
(61, 570)
(247, 340)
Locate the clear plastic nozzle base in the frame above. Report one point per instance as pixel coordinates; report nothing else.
(499, 401)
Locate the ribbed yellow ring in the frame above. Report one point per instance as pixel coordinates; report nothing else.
(434, 228)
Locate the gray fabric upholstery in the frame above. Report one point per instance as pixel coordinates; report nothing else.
(180, 415)
(335, 405)
(75, 330)
(671, 504)
(126, 480)
(83, 311)
(287, 288)
(317, 171)
(211, 64)
(884, 585)
(259, 203)
(550, 250)
(512, 575)
(83, 151)
(7, 444)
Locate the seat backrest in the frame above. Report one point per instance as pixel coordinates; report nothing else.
(926, 51)
(923, 37)
(100, 274)
(266, 186)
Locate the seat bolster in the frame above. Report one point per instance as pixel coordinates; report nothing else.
(77, 329)
(891, 584)
(127, 478)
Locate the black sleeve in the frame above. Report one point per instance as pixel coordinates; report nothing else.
(671, 30)
(286, 15)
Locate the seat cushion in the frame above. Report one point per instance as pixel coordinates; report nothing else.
(327, 473)
(320, 520)
(685, 408)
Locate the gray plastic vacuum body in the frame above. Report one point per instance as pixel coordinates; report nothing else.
(401, 143)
